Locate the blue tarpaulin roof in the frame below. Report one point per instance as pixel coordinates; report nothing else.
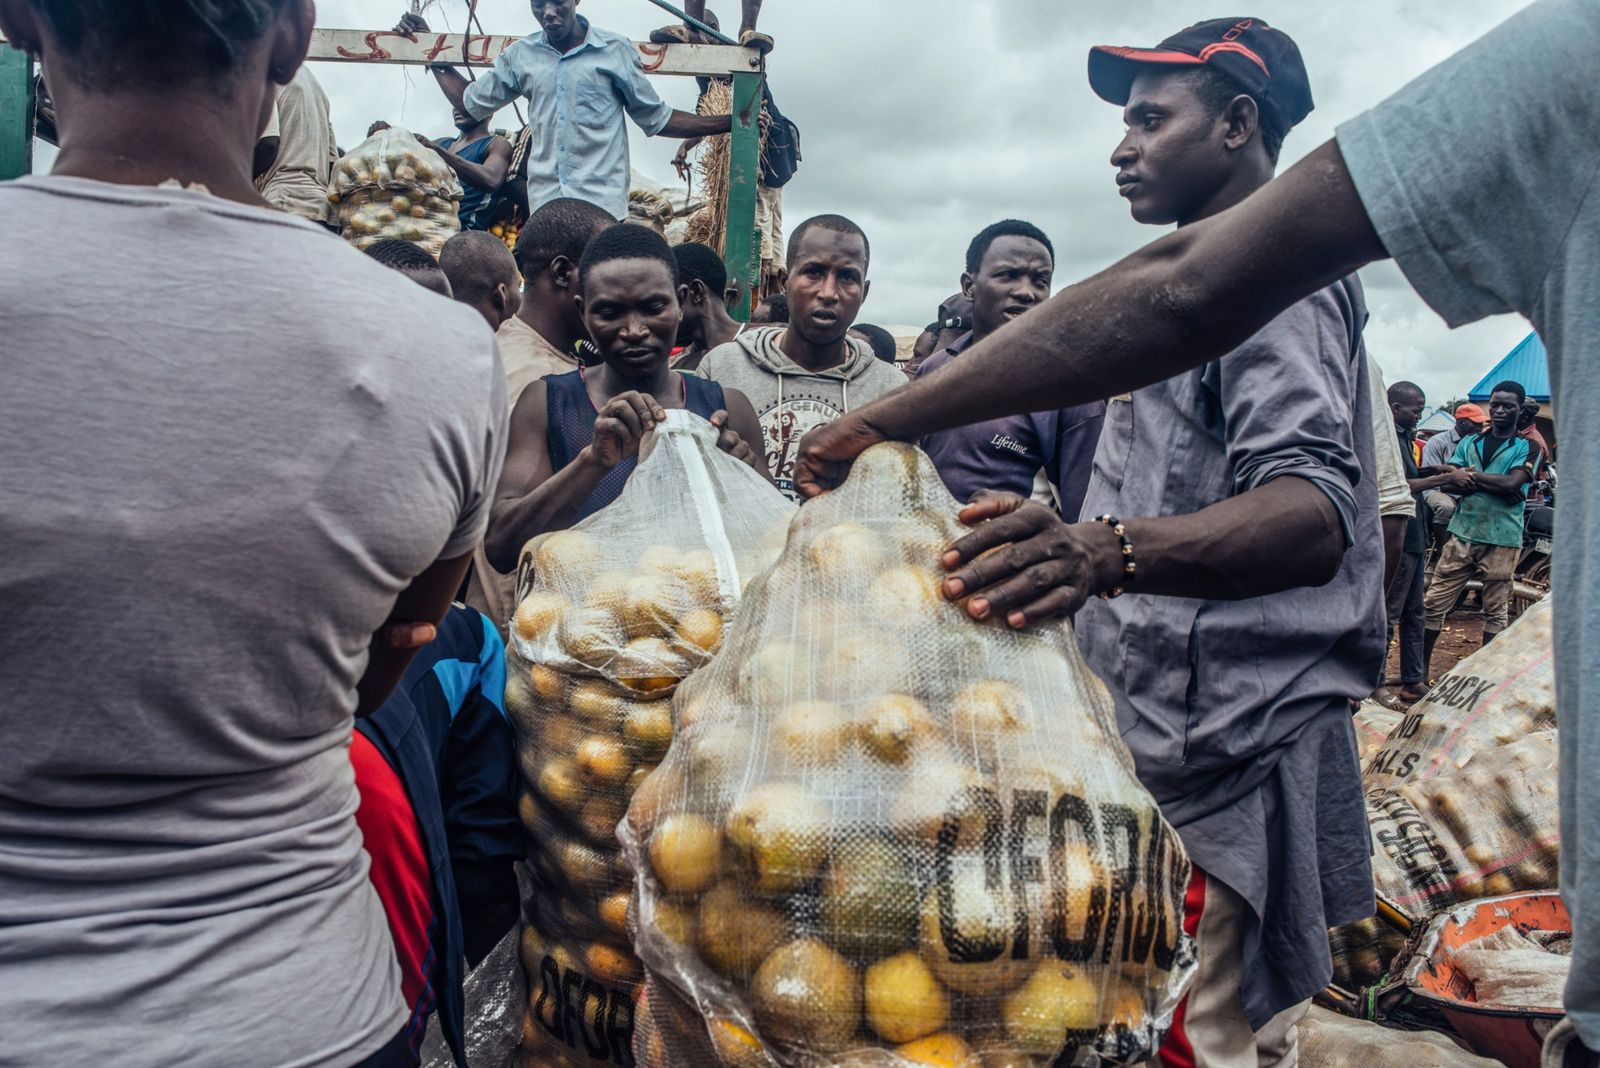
(1524, 364)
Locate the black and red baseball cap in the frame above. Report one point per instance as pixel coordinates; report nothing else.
(1264, 62)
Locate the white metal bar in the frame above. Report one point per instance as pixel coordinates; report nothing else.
(386, 46)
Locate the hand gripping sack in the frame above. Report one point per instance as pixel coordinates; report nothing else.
(611, 615)
(1461, 796)
(888, 835)
(393, 186)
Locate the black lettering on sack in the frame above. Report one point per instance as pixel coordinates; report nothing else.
(1177, 880)
(1025, 868)
(572, 1007)
(1409, 764)
(582, 1009)
(986, 803)
(1150, 926)
(1070, 809)
(550, 986)
(594, 993)
(1479, 687)
(1409, 726)
(1120, 824)
(619, 1024)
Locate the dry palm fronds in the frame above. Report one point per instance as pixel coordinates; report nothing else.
(709, 225)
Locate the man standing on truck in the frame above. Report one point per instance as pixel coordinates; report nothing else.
(481, 160)
(578, 81)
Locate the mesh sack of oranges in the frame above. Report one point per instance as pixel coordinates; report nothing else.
(611, 615)
(888, 835)
(1461, 796)
(393, 186)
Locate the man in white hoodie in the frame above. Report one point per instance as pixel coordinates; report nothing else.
(810, 371)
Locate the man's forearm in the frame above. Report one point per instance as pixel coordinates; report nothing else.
(683, 124)
(552, 506)
(1279, 536)
(1506, 487)
(477, 175)
(1394, 543)
(451, 83)
(1176, 304)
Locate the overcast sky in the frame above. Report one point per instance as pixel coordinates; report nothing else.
(925, 120)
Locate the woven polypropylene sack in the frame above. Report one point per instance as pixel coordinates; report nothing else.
(888, 835)
(611, 615)
(1328, 1040)
(1502, 692)
(1461, 795)
(393, 186)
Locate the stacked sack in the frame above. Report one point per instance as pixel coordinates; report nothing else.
(393, 186)
(888, 835)
(611, 615)
(1461, 797)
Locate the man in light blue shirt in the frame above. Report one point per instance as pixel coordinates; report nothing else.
(578, 80)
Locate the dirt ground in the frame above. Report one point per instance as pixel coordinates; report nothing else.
(1461, 637)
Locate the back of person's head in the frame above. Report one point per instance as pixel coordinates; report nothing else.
(1508, 386)
(700, 263)
(1404, 392)
(837, 224)
(559, 230)
(773, 309)
(1004, 228)
(625, 241)
(411, 260)
(162, 43)
(482, 273)
(881, 341)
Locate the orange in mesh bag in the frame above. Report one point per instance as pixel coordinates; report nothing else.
(1461, 796)
(393, 186)
(611, 615)
(888, 835)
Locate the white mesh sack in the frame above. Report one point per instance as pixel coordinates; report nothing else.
(888, 835)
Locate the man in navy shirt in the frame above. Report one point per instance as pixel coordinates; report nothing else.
(1044, 455)
(481, 160)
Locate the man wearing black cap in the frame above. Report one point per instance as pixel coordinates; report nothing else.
(1253, 612)
(1479, 179)
(1235, 704)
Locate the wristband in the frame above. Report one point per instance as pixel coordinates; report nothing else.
(1130, 567)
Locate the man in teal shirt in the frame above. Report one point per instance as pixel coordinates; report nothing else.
(1486, 530)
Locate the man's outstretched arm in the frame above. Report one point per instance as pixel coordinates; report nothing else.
(1174, 305)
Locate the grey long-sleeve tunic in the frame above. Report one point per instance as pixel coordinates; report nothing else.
(1236, 711)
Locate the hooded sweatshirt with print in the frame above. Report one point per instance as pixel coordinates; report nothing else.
(788, 399)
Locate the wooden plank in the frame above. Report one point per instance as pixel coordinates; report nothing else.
(388, 47)
(741, 247)
(16, 113)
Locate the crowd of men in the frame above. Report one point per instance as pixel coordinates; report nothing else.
(235, 517)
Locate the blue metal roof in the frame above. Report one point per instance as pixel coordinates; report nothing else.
(1435, 421)
(1525, 364)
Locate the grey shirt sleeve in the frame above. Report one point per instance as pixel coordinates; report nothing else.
(1288, 400)
(481, 473)
(1474, 173)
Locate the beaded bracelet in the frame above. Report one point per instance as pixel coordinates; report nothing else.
(1129, 566)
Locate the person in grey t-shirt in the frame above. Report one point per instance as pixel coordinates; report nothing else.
(1427, 176)
(231, 481)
